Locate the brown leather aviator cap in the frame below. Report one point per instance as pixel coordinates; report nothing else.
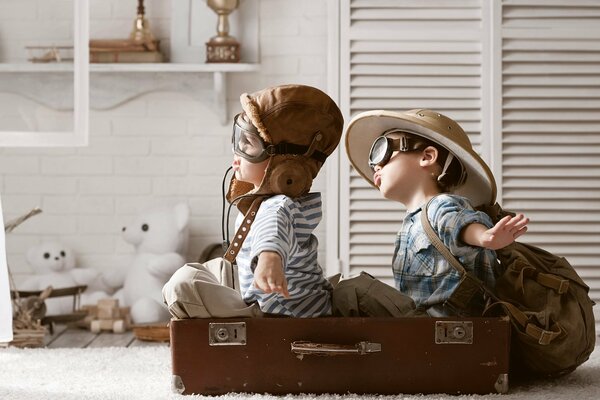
(302, 117)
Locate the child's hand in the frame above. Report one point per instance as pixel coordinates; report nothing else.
(506, 231)
(269, 276)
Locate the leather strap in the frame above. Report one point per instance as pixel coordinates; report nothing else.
(559, 285)
(437, 243)
(242, 232)
(543, 336)
(444, 251)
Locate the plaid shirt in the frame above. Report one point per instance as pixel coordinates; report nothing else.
(421, 272)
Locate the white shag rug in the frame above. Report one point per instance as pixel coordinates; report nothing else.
(145, 373)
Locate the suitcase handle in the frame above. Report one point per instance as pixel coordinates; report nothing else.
(303, 348)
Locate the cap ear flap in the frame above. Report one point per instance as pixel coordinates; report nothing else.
(291, 178)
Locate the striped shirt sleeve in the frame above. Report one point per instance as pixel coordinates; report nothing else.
(272, 231)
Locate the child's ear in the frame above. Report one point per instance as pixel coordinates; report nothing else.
(428, 156)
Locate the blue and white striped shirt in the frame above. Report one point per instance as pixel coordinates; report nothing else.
(285, 226)
(421, 272)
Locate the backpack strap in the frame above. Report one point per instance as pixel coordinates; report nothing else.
(543, 336)
(550, 281)
(438, 244)
(471, 282)
(242, 232)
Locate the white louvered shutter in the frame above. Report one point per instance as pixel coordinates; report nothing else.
(398, 55)
(551, 126)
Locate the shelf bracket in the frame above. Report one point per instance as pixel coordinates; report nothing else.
(220, 93)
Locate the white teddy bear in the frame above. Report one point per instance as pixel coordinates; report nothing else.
(54, 265)
(160, 237)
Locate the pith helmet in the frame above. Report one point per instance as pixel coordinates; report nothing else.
(301, 116)
(479, 185)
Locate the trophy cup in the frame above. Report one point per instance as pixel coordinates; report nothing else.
(223, 47)
(141, 29)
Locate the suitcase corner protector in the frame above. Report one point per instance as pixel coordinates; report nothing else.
(177, 385)
(501, 384)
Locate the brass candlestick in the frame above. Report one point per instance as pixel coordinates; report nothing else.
(223, 47)
(141, 29)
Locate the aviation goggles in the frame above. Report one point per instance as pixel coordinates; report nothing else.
(383, 147)
(247, 143)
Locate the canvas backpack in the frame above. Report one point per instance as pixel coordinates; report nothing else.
(544, 297)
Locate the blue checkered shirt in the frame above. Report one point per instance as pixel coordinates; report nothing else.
(421, 272)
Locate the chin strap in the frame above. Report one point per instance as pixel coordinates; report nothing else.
(242, 232)
(446, 165)
(463, 174)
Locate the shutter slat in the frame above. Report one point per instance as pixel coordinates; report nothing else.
(404, 54)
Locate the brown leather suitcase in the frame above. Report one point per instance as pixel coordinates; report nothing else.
(340, 355)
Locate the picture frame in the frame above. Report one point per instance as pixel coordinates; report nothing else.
(78, 136)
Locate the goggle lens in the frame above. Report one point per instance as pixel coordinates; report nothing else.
(380, 152)
(247, 144)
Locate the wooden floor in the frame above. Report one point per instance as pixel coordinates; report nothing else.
(64, 336)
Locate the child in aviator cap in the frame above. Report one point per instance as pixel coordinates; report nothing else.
(280, 141)
(420, 158)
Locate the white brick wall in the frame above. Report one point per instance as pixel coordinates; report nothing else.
(157, 149)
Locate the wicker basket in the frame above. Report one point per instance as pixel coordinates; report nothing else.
(152, 332)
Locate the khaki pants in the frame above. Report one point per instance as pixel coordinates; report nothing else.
(195, 292)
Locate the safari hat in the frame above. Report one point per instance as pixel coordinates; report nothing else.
(305, 125)
(479, 185)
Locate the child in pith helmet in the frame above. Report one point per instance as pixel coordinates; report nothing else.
(280, 141)
(419, 158)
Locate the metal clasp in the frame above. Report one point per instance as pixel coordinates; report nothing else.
(453, 332)
(227, 334)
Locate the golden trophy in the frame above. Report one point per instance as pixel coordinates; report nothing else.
(141, 30)
(222, 48)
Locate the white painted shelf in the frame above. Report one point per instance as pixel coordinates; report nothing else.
(133, 67)
(218, 70)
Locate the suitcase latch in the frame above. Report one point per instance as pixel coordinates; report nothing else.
(453, 332)
(227, 334)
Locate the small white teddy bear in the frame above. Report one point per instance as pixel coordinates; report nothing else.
(54, 265)
(160, 238)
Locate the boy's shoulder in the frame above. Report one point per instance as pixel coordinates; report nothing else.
(282, 204)
(283, 201)
(446, 200)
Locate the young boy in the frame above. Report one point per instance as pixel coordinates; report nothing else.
(420, 157)
(280, 141)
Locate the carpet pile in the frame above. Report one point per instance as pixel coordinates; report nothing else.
(145, 373)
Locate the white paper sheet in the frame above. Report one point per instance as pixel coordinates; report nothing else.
(6, 331)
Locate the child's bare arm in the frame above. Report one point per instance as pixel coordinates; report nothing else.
(268, 275)
(506, 231)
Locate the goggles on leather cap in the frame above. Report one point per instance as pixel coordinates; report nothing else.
(247, 143)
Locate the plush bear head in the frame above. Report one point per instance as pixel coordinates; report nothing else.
(51, 256)
(160, 230)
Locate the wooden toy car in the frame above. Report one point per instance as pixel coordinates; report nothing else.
(107, 316)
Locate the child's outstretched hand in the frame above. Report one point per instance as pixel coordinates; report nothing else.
(506, 231)
(269, 276)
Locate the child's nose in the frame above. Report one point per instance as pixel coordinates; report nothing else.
(377, 168)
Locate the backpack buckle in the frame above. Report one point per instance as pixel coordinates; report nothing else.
(563, 287)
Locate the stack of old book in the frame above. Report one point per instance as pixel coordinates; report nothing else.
(124, 51)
